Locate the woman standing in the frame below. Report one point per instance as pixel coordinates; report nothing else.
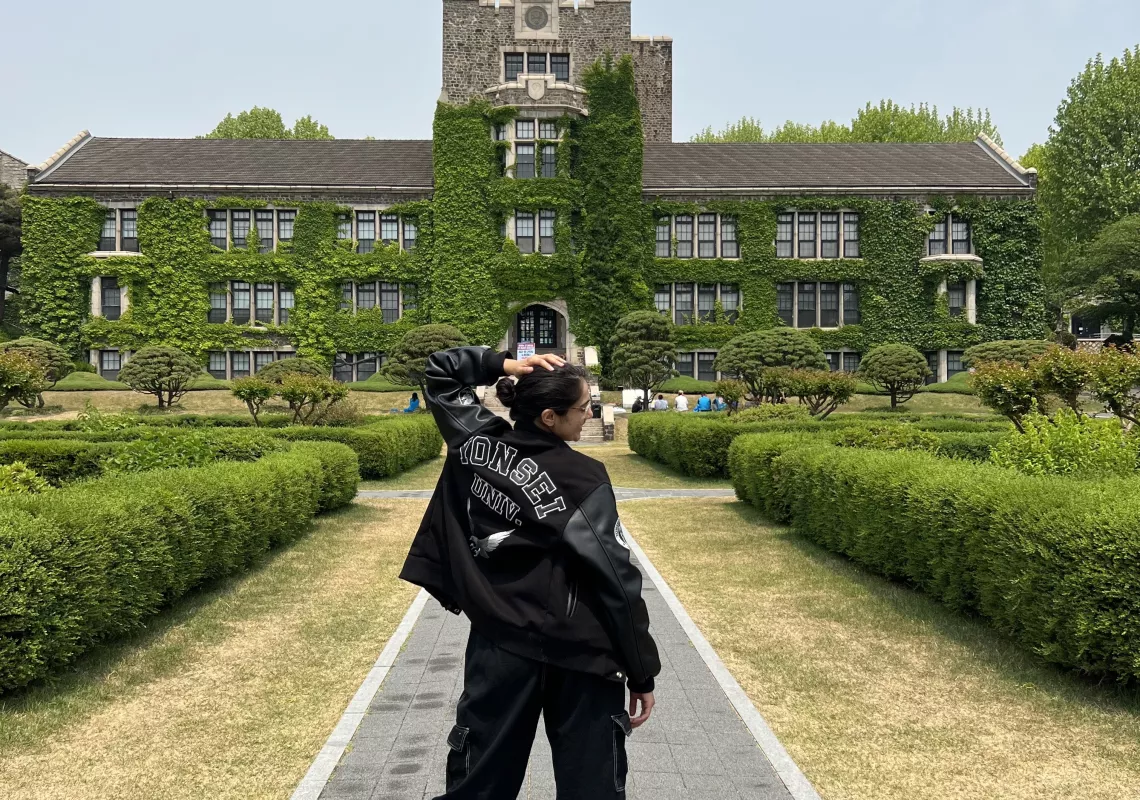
(523, 536)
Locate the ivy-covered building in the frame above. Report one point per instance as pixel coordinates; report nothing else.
(549, 202)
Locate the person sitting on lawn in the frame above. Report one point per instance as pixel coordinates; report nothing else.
(704, 403)
(413, 404)
(660, 404)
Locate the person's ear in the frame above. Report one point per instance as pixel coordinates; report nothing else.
(547, 418)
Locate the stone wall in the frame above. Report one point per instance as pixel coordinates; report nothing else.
(476, 35)
(13, 171)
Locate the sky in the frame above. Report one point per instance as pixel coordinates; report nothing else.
(146, 68)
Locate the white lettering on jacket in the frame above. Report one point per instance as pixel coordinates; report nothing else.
(499, 458)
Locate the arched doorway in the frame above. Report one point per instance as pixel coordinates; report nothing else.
(546, 325)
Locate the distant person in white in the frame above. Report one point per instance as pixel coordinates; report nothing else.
(682, 402)
(660, 404)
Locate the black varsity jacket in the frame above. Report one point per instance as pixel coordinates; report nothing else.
(522, 535)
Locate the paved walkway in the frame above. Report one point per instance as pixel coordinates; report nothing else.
(698, 745)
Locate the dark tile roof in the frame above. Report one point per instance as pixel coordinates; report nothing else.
(248, 162)
(816, 167)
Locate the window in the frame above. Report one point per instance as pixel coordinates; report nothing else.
(807, 235)
(786, 303)
(264, 221)
(729, 246)
(524, 161)
(110, 297)
(500, 132)
(344, 227)
(264, 300)
(664, 238)
(833, 361)
(342, 368)
(525, 326)
(512, 66)
(390, 302)
(130, 230)
(954, 363)
(785, 226)
(389, 228)
(366, 366)
(524, 231)
(706, 236)
(262, 360)
(346, 297)
(829, 235)
(547, 328)
(288, 300)
(956, 294)
(829, 305)
(851, 236)
(706, 371)
(546, 232)
(560, 66)
(959, 233)
(218, 224)
(241, 302)
(218, 312)
(706, 301)
(365, 296)
(932, 360)
(806, 317)
(239, 365)
(365, 231)
(217, 366)
(730, 300)
(285, 221)
(411, 231)
(239, 220)
(110, 362)
(851, 315)
(851, 362)
(549, 161)
(411, 297)
(536, 63)
(108, 240)
(936, 246)
(663, 298)
(524, 129)
(547, 130)
(684, 237)
(684, 304)
(685, 364)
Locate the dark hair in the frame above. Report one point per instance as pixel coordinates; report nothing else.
(537, 391)
(415, 396)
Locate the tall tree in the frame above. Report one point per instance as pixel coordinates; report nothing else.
(1105, 281)
(10, 242)
(266, 123)
(643, 351)
(886, 122)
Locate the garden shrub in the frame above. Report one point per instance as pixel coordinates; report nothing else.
(897, 369)
(52, 359)
(968, 446)
(1009, 389)
(18, 478)
(732, 392)
(1047, 560)
(1116, 378)
(1071, 445)
(54, 460)
(1066, 374)
(165, 372)
(276, 372)
(763, 360)
(820, 391)
(768, 412)
(384, 449)
(887, 437)
(89, 562)
(21, 379)
(1018, 351)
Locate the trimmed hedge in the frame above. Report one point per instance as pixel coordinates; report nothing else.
(1053, 562)
(83, 564)
(56, 460)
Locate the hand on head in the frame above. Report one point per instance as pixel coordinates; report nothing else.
(548, 361)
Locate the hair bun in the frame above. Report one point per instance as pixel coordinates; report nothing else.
(506, 391)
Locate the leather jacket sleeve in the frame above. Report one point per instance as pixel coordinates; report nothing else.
(594, 534)
(450, 377)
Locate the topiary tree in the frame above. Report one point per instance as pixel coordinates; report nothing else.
(1065, 373)
(408, 360)
(254, 392)
(311, 397)
(276, 372)
(52, 358)
(643, 351)
(897, 369)
(1010, 389)
(165, 372)
(762, 359)
(1019, 351)
(21, 379)
(822, 392)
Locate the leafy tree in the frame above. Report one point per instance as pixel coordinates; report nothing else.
(763, 360)
(821, 391)
(165, 372)
(254, 392)
(1116, 383)
(1107, 278)
(278, 370)
(21, 379)
(408, 359)
(1019, 351)
(643, 351)
(898, 369)
(1065, 373)
(11, 244)
(732, 392)
(886, 122)
(1010, 389)
(53, 360)
(311, 397)
(266, 123)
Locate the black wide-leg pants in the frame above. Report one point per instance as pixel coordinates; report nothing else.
(497, 718)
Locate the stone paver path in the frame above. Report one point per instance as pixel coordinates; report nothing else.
(696, 746)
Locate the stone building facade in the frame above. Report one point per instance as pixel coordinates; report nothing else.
(13, 171)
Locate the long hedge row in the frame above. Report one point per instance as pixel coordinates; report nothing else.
(1053, 562)
(698, 445)
(82, 564)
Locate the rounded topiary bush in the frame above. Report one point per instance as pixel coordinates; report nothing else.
(763, 360)
(1019, 351)
(165, 372)
(897, 369)
(276, 372)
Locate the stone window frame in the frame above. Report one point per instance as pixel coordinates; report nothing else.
(525, 52)
(694, 359)
(281, 291)
(349, 229)
(944, 239)
(349, 302)
(788, 221)
(690, 246)
(797, 285)
(692, 315)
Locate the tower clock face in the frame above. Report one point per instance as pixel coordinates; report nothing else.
(537, 17)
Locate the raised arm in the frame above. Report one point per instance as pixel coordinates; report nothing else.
(452, 376)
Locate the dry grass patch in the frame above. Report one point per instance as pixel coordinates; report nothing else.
(877, 692)
(230, 694)
(205, 402)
